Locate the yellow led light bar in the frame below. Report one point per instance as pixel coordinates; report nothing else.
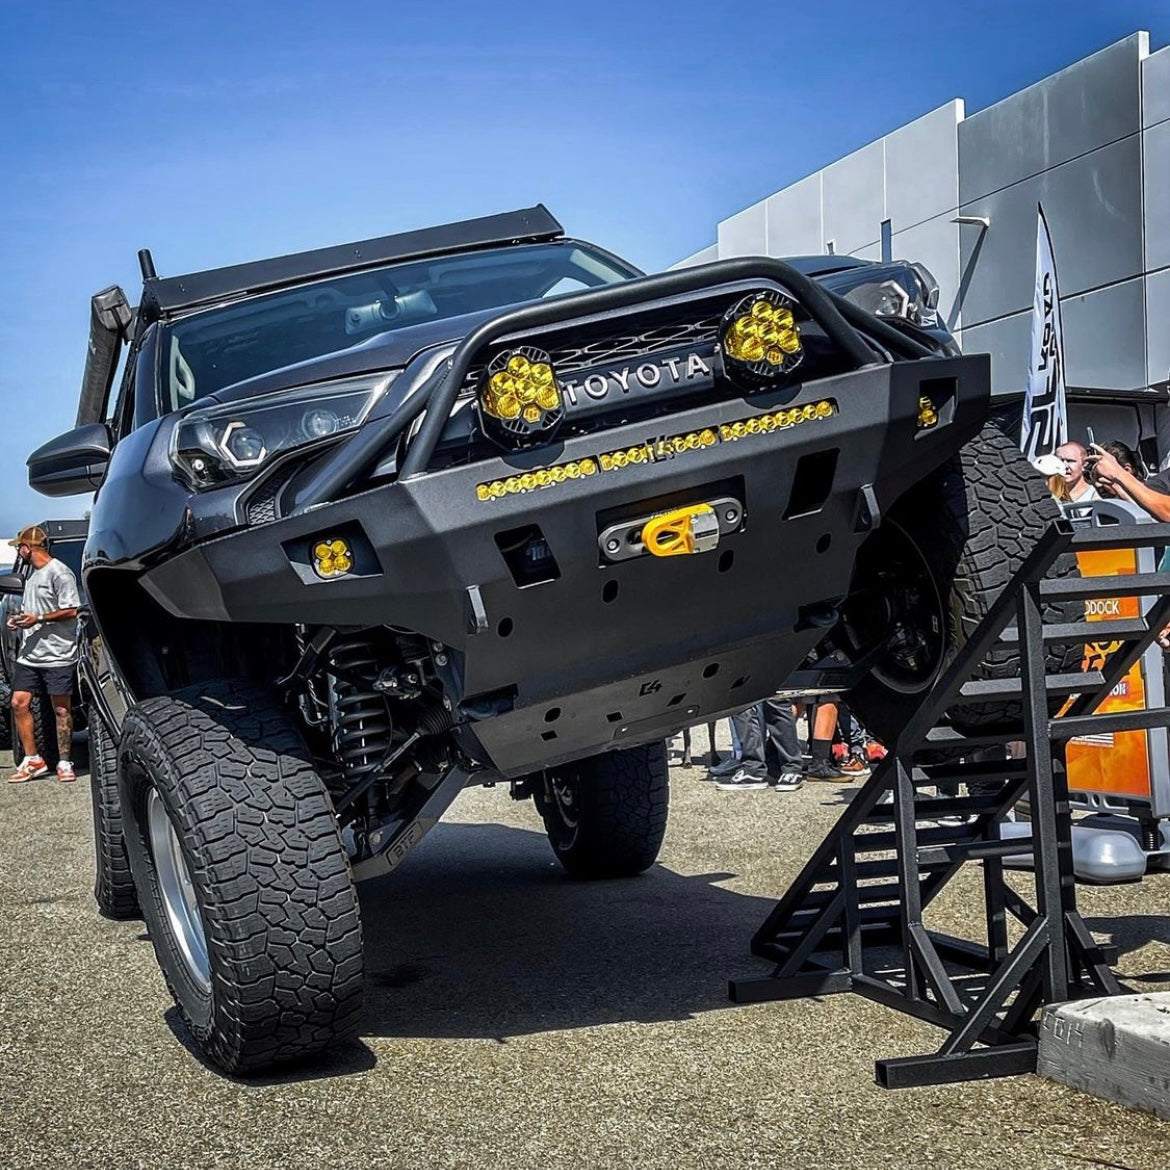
(777, 420)
(656, 450)
(530, 481)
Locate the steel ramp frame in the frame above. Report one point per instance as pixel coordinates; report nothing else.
(853, 918)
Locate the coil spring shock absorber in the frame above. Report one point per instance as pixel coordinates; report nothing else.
(361, 724)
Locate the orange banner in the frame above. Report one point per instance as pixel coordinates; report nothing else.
(1117, 763)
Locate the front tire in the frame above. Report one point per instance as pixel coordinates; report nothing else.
(606, 816)
(113, 887)
(948, 551)
(243, 878)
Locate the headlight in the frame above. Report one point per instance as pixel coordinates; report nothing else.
(759, 338)
(908, 291)
(221, 444)
(519, 399)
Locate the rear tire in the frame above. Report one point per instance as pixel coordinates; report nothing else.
(968, 527)
(606, 816)
(243, 878)
(113, 887)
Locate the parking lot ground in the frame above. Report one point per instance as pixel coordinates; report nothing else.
(518, 1019)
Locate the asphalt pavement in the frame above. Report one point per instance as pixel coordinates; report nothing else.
(518, 1019)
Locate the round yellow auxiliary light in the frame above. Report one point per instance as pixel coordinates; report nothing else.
(519, 399)
(760, 340)
(332, 558)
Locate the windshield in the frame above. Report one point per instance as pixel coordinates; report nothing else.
(219, 347)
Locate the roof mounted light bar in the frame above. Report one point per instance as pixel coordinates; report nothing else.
(162, 296)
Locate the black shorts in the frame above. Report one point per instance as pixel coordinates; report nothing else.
(54, 680)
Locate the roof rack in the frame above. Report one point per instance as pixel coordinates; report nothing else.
(164, 296)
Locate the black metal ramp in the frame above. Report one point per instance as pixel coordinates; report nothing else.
(854, 918)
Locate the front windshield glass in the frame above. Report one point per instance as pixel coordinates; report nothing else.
(218, 347)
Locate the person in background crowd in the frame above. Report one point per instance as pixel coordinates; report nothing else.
(48, 653)
(770, 754)
(1074, 455)
(1127, 457)
(1151, 493)
(1052, 468)
(1111, 472)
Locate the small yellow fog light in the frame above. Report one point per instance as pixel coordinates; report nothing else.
(927, 415)
(332, 558)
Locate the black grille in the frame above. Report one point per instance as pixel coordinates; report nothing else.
(594, 346)
(260, 506)
(610, 350)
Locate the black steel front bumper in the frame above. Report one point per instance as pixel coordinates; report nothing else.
(607, 654)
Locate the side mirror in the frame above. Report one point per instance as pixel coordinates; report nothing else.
(72, 463)
(10, 583)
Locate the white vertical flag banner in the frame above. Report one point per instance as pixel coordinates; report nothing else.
(1045, 424)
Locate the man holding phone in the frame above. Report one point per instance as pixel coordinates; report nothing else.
(1074, 456)
(48, 653)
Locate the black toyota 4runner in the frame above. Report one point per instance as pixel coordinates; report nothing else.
(482, 504)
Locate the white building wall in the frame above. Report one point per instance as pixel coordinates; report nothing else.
(1091, 142)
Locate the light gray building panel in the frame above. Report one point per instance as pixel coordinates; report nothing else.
(1094, 210)
(705, 256)
(1091, 142)
(854, 199)
(1156, 87)
(922, 167)
(744, 234)
(1089, 104)
(1156, 142)
(1158, 333)
(1009, 341)
(794, 219)
(1104, 338)
(1103, 341)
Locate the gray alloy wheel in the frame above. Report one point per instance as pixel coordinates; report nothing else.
(178, 892)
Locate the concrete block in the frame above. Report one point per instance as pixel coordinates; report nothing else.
(1117, 1048)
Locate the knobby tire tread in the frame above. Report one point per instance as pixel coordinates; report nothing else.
(263, 848)
(113, 887)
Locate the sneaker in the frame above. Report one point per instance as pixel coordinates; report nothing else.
(874, 752)
(743, 781)
(854, 767)
(728, 767)
(824, 770)
(30, 768)
(788, 781)
(65, 773)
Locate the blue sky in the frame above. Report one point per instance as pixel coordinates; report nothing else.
(214, 133)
